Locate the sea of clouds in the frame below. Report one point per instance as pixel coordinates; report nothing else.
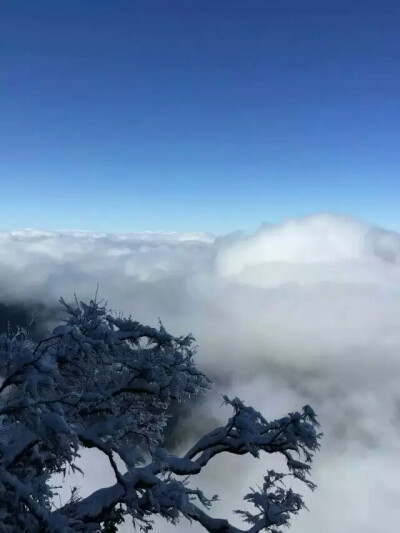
(305, 311)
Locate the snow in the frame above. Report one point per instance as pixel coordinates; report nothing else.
(93, 383)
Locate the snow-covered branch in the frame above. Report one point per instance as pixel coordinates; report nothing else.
(105, 382)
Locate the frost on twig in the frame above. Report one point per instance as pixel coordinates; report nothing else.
(105, 382)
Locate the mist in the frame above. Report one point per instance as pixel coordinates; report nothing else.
(304, 311)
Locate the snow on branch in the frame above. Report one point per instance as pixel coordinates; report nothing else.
(105, 382)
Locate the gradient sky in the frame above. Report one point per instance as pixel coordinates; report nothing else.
(123, 115)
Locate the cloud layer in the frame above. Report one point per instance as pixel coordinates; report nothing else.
(305, 311)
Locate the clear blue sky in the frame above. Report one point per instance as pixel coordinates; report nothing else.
(214, 115)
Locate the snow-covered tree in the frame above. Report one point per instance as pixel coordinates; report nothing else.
(106, 382)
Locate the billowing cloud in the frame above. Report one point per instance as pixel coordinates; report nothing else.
(305, 311)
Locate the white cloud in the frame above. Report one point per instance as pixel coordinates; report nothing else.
(301, 312)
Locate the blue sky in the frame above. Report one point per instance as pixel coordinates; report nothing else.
(191, 115)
